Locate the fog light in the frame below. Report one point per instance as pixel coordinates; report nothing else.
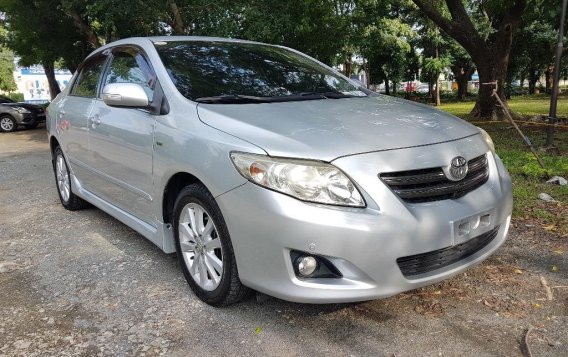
(307, 265)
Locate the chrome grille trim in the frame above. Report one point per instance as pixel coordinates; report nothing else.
(427, 185)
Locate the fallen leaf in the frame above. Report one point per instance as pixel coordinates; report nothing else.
(518, 271)
(258, 330)
(554, 268)
(559, 252)
(537, 306)
(550, 227)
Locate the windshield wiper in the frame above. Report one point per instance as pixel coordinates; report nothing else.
(298, 96)
(328, 94)
(232, 98)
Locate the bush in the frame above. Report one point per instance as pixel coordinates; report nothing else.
(16, 96)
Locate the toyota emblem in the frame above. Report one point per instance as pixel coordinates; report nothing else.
(458, 168)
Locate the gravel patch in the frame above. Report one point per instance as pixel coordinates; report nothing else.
(82, 283)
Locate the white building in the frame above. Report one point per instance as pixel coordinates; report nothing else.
(32, 82)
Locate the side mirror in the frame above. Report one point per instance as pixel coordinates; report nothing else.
(130, 95)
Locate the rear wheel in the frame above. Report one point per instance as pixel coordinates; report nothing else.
(204, 248)
(8, 123)
(68, 199)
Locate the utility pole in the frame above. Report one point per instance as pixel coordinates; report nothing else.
(556, 78)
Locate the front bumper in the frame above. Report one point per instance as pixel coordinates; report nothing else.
(29, 118)
(363, 244)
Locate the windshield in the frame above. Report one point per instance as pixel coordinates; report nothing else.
(212, 69)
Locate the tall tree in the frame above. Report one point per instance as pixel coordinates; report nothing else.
(485, 29)
(39, 33)
(7, 83)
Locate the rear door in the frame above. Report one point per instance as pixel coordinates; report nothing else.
(121, 139)
(73, 113)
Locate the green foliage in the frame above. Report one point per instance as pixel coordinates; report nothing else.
(7, 83)
(534, 49)
(386, 44)
(15, 96)
(433, 65)
(39, 32)
(317, 28)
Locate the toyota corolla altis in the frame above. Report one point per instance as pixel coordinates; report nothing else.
(266, 170)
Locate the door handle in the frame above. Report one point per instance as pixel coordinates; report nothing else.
(95, 121)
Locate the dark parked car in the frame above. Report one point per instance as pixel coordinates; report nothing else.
(14, 114)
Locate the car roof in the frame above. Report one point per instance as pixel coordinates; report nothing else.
(145, 41)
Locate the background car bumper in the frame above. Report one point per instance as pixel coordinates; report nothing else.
(363, 244)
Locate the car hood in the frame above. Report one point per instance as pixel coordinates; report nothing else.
(31, 107)
(330, 128)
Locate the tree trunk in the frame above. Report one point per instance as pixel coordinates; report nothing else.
(532, 82)
(387, 89)
(347, 68)
(394, 85)
(437, 96)
(548, 78)
(491, 75)
(463, 73)
(177, 23)
(489, 53)
(49, 69)
(462, 87)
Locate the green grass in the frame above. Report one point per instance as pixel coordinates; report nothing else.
(529, 179)
(537, 104)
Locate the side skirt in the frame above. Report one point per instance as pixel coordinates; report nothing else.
(162, 236)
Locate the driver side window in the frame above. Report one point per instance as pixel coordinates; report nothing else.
(129, 66)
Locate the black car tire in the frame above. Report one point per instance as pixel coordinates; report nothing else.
(230, 289)
(73, 202)
(8, 119)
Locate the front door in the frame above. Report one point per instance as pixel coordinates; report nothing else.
(121, 140)
(73, 113)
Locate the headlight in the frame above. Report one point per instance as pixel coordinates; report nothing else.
(487, 139)
(306, 180)
(21, 110)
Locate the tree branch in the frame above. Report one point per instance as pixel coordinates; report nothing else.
(511, 21)
(84, 28)
(457, 28)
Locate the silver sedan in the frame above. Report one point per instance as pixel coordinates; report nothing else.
(264, 169)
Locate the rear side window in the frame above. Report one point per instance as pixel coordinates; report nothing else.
(87, 82)
(129, 66)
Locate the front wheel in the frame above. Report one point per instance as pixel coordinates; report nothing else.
(8, 123)
(204, 248)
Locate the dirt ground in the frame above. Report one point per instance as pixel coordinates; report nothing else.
(82, 283)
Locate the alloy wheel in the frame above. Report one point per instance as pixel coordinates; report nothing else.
(7, 124)
(62, 178)
(201, 246)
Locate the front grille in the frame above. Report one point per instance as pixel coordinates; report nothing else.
(437, 259)
(429, 185)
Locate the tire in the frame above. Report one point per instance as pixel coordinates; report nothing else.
(204, 248)
(8, 123)
(68, 199)
(31, 125)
